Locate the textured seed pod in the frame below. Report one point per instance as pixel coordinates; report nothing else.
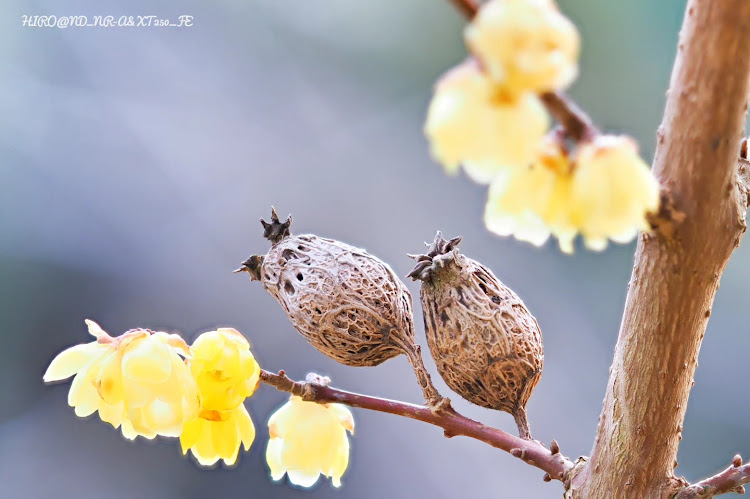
(485, 342)
(347, 303)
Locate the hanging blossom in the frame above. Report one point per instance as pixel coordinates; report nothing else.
(472, 122)
(603, 193)
(136, 381)
(525, 45)
(226, 373)
(309, 439)
(612, 191)
(532, 203)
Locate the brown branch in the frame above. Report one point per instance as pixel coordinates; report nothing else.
(467, 7)
(731, 479)
(577, 124)
(532, 452)
(675, 277)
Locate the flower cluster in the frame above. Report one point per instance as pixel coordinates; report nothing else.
(603, 192)
(152, 383)
(486, 115)
(137, 381)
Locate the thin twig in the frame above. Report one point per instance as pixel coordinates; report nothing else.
(731, 479)
(467, 7)
(454, 424)
(577, 124)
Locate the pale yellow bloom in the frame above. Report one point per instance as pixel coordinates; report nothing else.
(470, 121)
(224, 368)
(136, 381)
(217, 435)
(605, 194)
(307, 440)
(612, 191)
(226, 373)
(534, 202)
(525, 45)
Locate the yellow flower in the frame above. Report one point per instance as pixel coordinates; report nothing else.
(612, 191)
(532, 203)
(307, 440)
(217, 435)
(224, 368)
(136, 381)
(605, 194)
(226, 373)
(471, 121)
(525, 45)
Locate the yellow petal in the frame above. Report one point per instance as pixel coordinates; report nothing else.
(245, 426)
(341, 462)
(175, 341)
(70, 361)
(190, 433)
(147, 360)
(303, 478)
(273, 458)
(525, 45)
(82, 388)
(87, 406)
(470, 121)
(127, 429)
(226, 439)
(112, 414)
(344, 415)
(109, 379)
(163, 418)
(203, 450)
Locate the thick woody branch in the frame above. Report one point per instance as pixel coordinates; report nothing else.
(677, 272)
(551, 461)
(576, 123)
(731, 479)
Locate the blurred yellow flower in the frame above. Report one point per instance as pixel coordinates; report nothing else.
(137, 381)
(525, 45)
(534, 202)
(217, 435)
(470, 121)
(224, 368)
(604, 194)
(307, 440)
(226, 373)
(612, 191)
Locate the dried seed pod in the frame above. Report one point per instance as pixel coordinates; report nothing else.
(486, 344)
(348, 304)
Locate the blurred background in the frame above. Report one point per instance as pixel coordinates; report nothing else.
(135, 163)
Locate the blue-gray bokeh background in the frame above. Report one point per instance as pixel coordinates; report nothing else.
(135, 163)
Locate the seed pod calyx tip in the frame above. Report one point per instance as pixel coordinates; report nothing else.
(426, 263)
(276, 230)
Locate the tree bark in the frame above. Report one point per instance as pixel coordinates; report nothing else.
(677, 268)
